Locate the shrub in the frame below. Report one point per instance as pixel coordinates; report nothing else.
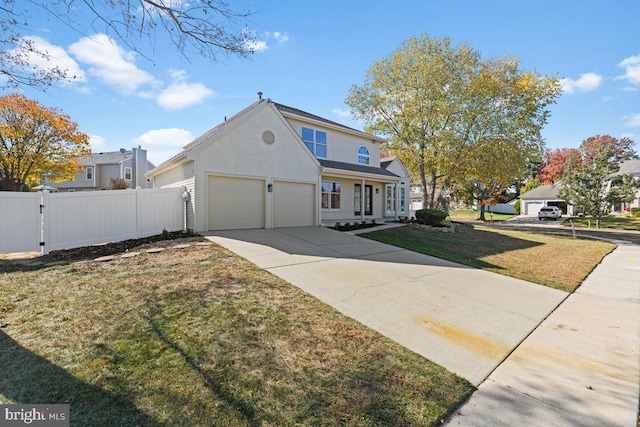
(431, 216)
(635, 212)
(516, 207)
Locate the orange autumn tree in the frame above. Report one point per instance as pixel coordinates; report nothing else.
(37, 142)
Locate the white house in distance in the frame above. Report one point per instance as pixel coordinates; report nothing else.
(548, 195)
(98, 169)
(273, 166)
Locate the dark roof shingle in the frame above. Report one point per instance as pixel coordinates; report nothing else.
(351, 167)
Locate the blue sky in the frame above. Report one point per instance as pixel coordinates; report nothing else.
(310, 53)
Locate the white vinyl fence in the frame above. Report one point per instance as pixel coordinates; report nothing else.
(48, 221)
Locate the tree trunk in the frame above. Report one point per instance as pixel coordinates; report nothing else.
(482, 218)
(432, 196)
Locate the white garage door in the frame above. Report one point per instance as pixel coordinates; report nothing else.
(294, 204)
(235, 203)
(534, 208)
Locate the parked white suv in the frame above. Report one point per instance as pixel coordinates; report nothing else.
(552, 212)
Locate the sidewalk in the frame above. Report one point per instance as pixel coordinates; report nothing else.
(580, 367)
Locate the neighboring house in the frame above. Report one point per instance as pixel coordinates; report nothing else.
(630, 167)
(98, 169)
(544, 195)
(273, 166)
(547, 195)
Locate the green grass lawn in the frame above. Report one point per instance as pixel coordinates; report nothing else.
(472, 215)
(201, 337)
(559, 262)
(612, 222)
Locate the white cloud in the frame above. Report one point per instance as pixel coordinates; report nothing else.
(256, 45)
(98, 143)
(586, 83)
(632, 70)
(341, 113)
(54, 56)
(633, 120)
(181, 94)
(112, 64)
(162, 144)
(278, 36)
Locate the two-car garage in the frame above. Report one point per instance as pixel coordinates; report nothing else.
(240, 203)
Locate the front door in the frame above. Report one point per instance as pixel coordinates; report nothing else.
(368, 199)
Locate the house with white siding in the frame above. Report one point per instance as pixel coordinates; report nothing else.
(273, 166)
(97, 170)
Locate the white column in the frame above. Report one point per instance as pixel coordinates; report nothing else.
(362, 199)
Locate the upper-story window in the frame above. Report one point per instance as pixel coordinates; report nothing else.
(89, 171)
(363, 155)
(316, 141)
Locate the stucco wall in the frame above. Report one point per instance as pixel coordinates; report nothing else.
(342, 147)
(240, 151)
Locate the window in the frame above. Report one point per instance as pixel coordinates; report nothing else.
(363, 155)
(391, 198)
(89, 171)
(330, 195)
(403, 197)
(316, 141)
(127, 173)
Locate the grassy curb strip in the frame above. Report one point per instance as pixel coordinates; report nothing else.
(559, 262)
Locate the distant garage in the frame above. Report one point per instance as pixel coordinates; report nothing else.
(293, 204)
(235, 203)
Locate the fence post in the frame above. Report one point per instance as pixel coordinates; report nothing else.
(43, 222)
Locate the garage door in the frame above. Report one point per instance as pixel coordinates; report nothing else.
(533, 208)
(294, 204)
(235, 203)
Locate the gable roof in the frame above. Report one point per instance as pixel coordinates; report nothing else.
(543, 192)
(352, 167)
(629, 166)
(286, 110)
(227, 122)
(105, 158)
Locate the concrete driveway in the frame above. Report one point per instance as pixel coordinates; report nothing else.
(464, 319)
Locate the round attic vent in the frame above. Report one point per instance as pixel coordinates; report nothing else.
(268, 137)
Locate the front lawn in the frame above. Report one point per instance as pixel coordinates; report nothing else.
(556, 261)
(201, 337)
(472, 215)
(611, 222)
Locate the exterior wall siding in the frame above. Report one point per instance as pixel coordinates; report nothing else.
(342, 147)
(181, 177)
(241, 152)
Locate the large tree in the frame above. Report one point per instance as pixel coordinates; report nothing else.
(556, 163)
(594, 184)
(439, 105)
(203, 28)
(38, 142)
(621, 149)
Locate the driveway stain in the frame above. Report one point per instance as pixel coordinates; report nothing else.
(472, 342)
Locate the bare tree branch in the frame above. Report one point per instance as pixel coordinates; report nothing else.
(197, 28)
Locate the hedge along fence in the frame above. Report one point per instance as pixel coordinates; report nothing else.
(46, 221)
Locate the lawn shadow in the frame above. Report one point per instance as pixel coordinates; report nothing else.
(466, 245)
(32, 379)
